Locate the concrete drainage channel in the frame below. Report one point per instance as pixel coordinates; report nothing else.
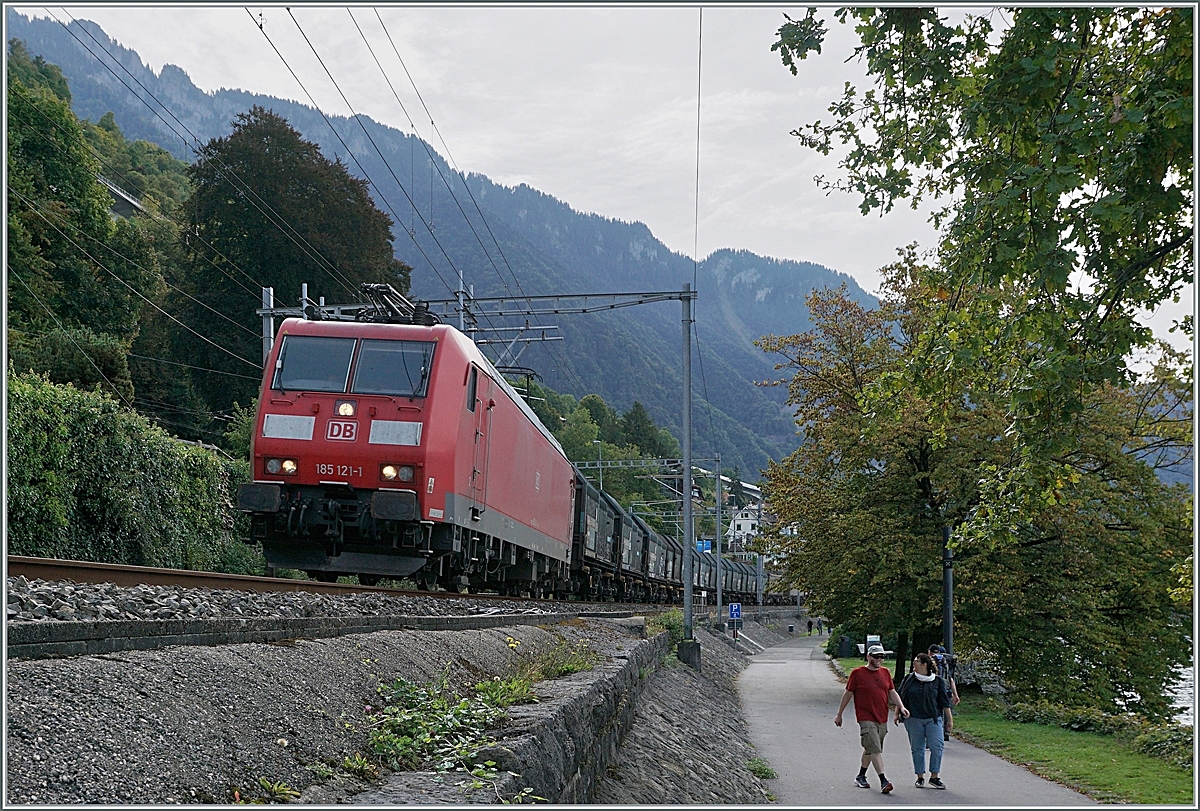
(195, 723)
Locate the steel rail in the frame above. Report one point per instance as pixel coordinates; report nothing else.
(81, 571)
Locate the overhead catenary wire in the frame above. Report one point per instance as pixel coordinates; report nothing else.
(375, 146)
(342, 141)
(244, 190)
(432, 162)
(552, 350)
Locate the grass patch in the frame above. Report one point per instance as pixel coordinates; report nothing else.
(1103, 766)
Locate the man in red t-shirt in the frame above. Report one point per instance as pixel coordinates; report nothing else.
(871, 688)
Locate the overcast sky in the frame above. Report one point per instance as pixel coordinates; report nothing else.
(596, 106)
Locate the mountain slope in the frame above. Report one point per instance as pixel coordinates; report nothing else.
(526, 243)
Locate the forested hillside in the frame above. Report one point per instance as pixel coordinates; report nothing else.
(526, 243)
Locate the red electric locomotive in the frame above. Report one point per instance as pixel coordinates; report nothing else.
(397, 450)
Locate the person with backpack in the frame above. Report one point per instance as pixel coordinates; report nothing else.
(946, 665)
(927, 698)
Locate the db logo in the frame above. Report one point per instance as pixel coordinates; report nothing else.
(345, 431)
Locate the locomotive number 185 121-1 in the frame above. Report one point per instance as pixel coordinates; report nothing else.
(338, 470)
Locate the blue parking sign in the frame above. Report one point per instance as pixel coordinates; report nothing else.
(735, 611)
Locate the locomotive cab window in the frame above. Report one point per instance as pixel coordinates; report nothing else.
(472, 385)
(393, 367)
(310, 363)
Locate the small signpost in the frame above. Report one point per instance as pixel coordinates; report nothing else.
(735, 618)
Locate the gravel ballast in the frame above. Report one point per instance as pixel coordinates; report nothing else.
(196, 724)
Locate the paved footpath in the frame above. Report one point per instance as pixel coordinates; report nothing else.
(790, 696)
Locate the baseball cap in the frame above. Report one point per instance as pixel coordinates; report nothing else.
(936, 649)
(875, 650)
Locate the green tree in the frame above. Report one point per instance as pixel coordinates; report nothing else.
(1057, 154)
(737, 491)
(78, 280)
(1075, 606)
(605, 418)
(269, 210)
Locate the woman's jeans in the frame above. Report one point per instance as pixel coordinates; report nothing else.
(922, 731)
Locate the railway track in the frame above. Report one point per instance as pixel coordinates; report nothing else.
(81, 571)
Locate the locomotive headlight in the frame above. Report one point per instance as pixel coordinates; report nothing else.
(273, 465)
(345, 408)
(289, 467)
(392, 472)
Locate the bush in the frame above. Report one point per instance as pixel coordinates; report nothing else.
(90, 480)
(1173, 743)
(671, 622)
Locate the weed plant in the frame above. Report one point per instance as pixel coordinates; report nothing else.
(561, 660)
(506, 692)
(759, 767)
(669, 621)
(429, 725)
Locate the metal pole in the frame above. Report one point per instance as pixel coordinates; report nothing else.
(947, 592)
(720, 574)
(600, 449)
(268, 299)
(760, 580)
(462, 320)
(689, 532)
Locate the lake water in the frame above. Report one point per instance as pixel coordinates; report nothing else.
(1185, 696)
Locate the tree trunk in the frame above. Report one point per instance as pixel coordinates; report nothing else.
(901, 655)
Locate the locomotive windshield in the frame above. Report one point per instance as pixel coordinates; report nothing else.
(393, 367)
(308, 363)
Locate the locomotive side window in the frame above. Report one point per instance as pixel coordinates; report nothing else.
(472, 384)
(309, 363)
(393, 367)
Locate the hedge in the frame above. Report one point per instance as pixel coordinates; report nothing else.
(90, 480)
(1170, 742)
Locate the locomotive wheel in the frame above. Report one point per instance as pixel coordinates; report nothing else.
(368, 579)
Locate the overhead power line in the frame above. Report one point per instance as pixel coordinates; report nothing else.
(552, 350)
(156, 218)
(36, 209)
(240, 186)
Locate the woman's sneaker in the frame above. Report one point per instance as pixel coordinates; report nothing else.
(920, 782)
(861, 782)
(936, 782)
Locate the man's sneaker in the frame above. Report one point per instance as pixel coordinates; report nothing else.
(861, 781)
(920, 782)
(886, 787)
(936, 782)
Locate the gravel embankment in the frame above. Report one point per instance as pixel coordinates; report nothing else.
(40, 600)
(195, 724)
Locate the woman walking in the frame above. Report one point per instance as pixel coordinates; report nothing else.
(928, 701)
